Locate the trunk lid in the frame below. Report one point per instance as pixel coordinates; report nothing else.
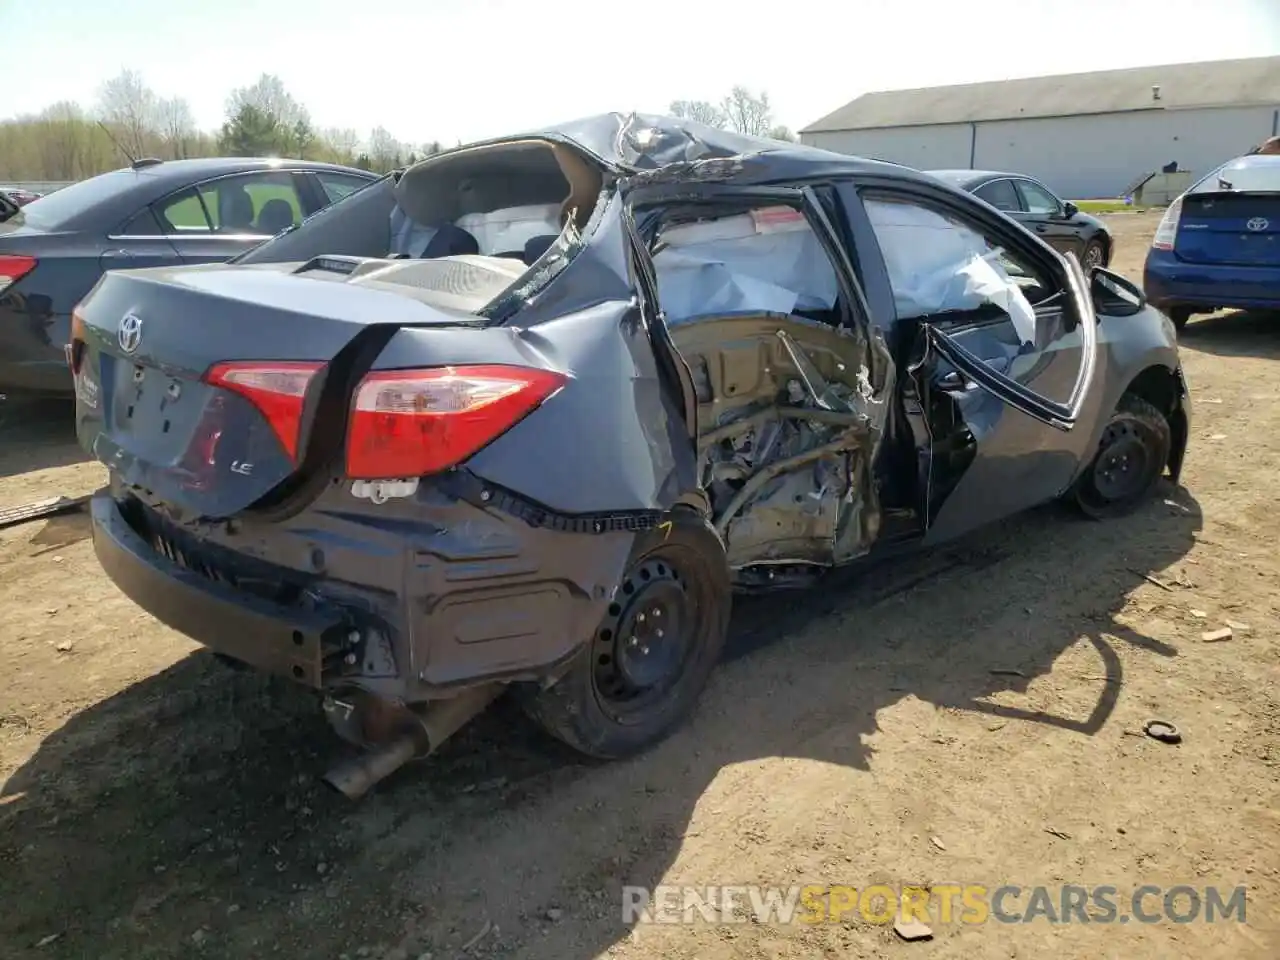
(147, 341)
(1230, 227)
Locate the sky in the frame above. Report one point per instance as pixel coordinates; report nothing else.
(461, 70)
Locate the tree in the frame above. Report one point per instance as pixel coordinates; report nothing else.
(129, 106)
(303, 137)
(176, 125)
(747, 113)
(383, 150)
(250, 133)
(343, 143)
(781, 132)
(699, 111)
(268, 96)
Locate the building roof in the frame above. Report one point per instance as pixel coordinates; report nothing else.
(1215, 83)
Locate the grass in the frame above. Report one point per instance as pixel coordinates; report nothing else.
(1108, 206)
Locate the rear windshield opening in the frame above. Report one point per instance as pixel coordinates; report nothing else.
(1252, 174)
(481, 216)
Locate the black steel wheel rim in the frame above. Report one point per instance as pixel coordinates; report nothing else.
(1120, 472)
(645, 641)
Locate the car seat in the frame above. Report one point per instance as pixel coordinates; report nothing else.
(276, 215)
(535, 247)
(450, 241)
(235, 209)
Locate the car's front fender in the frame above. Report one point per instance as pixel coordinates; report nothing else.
(1142, 357)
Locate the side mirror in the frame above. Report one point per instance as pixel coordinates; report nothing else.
(1069, 209)
(1114, 295)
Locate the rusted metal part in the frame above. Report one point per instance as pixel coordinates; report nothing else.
(40, 509)
(418, 733)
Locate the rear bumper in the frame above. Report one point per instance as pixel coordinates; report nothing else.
(46, 378)
(1169, 282)
(416, 600)
(32, 353)
(280, 640)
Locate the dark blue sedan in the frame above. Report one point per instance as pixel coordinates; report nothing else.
(153, 213)
(1219, 243)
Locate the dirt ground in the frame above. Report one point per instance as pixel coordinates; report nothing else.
(978, 726)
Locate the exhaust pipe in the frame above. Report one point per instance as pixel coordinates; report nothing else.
(431, 727)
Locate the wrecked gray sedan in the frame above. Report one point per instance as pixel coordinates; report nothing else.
(525, 415)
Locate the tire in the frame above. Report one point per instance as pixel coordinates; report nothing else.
(1179, 316)
(1137, 438)
(677, 572)
(1095, 255)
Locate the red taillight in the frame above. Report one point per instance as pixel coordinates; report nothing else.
(277, 389)
(13, 268)
(409, 423)
(1167, 232)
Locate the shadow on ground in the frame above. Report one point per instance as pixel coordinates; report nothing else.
(1236, 333)
(37, 435)
(186, 808)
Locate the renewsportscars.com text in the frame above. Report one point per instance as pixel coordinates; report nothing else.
(940, 903)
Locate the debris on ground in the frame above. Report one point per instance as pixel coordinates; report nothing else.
(912, 930)
(1217, 636)
(937, 842)
(484, 932)
(1162, 730)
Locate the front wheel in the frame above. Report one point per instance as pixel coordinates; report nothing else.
(1095, 255)
(1130, 459)
(1179, 316)
(653, 653)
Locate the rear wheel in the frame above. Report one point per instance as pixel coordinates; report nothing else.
(652, 655)
(1179, 316)
(1131, 457)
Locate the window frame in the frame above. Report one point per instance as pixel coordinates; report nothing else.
(299, 187)
(1019, 203)
(320, 175)
(646, 205)
(1063, 269)
(1026, 203)
(959, 321)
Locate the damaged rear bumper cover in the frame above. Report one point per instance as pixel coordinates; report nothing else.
(484, 596)
(283, 640)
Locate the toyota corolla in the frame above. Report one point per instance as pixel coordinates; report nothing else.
(524, 415)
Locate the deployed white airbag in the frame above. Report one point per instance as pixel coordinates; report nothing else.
(508, 230)
(938, 265)
(766, 260)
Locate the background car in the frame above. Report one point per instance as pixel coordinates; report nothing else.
(20, 197)
(1219, 243)
(153, 213)
(1031, 203)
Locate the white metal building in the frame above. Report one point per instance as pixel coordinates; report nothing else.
(1086, 135)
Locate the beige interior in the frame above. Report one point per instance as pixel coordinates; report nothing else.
(487, 178)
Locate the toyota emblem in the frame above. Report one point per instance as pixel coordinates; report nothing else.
(130, 333)
(1258, 224)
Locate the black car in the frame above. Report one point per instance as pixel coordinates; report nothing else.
(153, 213)
(1027, 200)
(413, 477)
